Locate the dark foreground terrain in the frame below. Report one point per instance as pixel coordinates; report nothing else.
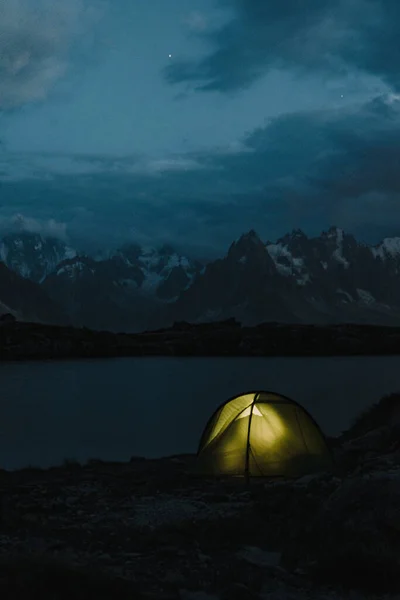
(155, 529)
(226, 338)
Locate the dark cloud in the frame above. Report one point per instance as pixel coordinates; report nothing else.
(322, 36)
(36, 41)
(46, 227)
(365, 154)
(323, 167)
(306, 169)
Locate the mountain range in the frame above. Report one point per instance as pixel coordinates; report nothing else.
(326, 279)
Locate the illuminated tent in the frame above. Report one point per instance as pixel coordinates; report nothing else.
(262, 434)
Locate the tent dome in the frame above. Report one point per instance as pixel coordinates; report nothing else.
(262, 434)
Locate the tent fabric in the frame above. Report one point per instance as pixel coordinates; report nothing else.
(262, 434)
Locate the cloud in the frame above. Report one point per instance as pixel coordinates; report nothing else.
(163, 165)
(36, 37)
(343, 165)
(49, 228)
(305, 169)
(196, 21)
(45, 166)
(305, 37)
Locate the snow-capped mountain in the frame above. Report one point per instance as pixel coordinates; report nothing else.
(32, 255)
(337, 266)
(99, 294)
(165, 273)
(125, 290)
(244, 282)
(389, 248)
(328, 278)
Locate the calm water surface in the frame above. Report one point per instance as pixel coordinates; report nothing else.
(114, 409)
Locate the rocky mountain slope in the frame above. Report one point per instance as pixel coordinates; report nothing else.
(27, 300)
(32, 255)
(121, 292)
(330, 278)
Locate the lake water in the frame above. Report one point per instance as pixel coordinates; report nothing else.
(116, 408)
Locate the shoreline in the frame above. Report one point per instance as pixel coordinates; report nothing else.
(157, 529)
(33, 341)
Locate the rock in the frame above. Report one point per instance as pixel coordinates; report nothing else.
(204, 557)
(7, 319)
(306, 479)
(258, 557)
(174, 578)
(239, 591)
(355, 538)
(188, 595)
(158, 595)
(175, 537)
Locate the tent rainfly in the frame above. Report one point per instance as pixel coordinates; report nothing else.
(262, 434)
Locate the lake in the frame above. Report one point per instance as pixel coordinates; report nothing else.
(117, 408)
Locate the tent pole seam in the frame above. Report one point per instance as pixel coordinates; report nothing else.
(302, 432)
(246, 472)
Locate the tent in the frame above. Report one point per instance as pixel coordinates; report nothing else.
(262, 434)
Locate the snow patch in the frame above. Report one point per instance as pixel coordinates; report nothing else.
(365, 296)
(287, 264)
(304, 279)
(74, 269)
(70, 252)
(348, 297)
(24, 270)
(338, 253)
(33, 256)
(151, 281)
(156, 268)
(389, 247)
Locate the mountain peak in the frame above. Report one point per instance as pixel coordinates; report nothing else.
(333, 232)
(33, 255)
(320, 279)
(388, 246)
(298, 233)
(166, 250)
(249, 237)
(252, 233)
(295, 237)
(250, 249)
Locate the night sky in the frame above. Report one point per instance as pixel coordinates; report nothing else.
(190, 122)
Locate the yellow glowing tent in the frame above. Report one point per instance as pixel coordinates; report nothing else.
(262, 434)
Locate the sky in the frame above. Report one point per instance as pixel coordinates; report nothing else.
(192, 122)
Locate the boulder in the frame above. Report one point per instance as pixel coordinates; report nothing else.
(354, 540)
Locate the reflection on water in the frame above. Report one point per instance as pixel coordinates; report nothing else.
(116, 408)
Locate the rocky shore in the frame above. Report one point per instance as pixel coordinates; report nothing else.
(154, 529)
(227, 338)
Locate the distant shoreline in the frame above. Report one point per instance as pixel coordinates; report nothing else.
(33, 341)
